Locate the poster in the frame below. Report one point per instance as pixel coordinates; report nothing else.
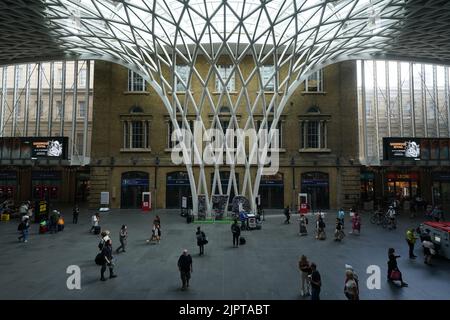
(402, 148)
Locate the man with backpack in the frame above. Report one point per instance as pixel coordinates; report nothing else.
(201, 240)
(236, 233)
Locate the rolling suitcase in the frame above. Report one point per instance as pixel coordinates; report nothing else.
(97, 230)
(242, 241)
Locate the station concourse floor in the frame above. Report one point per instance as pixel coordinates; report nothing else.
(265, 268)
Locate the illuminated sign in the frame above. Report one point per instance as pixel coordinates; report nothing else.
(398, 148)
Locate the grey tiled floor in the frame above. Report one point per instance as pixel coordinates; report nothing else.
(265, 268)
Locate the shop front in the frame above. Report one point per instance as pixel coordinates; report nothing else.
(177, 187)
(271, 190)
(8, 185)
(402, 185)
(367, 186)
(316, 185)
(83, 186)
(441, 189)
(46, 185)
(133, 184)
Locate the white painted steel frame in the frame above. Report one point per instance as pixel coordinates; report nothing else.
(298, 36)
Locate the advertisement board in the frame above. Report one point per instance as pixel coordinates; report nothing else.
(402, 148)
(25, 148)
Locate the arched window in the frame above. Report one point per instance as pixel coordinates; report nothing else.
(224, 109)
(136, 109)
(314, 131)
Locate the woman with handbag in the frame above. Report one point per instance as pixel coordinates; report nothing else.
(394, 273)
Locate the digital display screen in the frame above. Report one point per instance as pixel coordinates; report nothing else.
(25, 148)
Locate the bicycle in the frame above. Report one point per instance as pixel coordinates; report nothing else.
(377, 217)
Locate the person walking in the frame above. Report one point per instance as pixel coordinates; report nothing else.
(339, 233)
(108, 261)
(356, 223)
(157, 232)
(340, 216)
(185, 268)
(157, 221)
(201, 240)
(236, 231)
(24, 228)
(394, 273)
(123, 235)
(351, 287)
(287, 213)
(320, 228)
(428, 250)
(315, 281)
(411, 240)
(305, 269)
(303, 221)
(95, 220)
(75, 214)
(54, 217)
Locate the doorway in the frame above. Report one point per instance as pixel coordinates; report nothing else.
(177, 186)
(316, 185)
(132, 186)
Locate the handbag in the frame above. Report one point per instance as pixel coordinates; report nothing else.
(395, 275)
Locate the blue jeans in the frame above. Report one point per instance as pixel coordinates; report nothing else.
(24, 235)
(315, 293)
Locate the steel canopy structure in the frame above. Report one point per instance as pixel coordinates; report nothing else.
(296, 37)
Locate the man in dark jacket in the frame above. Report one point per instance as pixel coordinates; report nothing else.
(185, 267)
(236, 230)
(201, 240)
(287, 213)
(108, 261)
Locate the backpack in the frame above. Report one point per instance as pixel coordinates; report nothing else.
(321, 224)
(101, 244)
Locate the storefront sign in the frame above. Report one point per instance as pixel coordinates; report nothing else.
(177, 182)
(441, 176)
(46, 175)
(135, 182)
(315, 182)
(401, 148)
(8, 175)
(402, 176)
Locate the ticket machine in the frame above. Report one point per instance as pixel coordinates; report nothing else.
(146, 201)
(303, 203)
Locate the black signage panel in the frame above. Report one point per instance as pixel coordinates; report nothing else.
(33, 148)
(49, 147)
(402, 148)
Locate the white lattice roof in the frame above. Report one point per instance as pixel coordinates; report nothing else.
(132, 31)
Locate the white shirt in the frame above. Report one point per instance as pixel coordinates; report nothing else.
(94, 221)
